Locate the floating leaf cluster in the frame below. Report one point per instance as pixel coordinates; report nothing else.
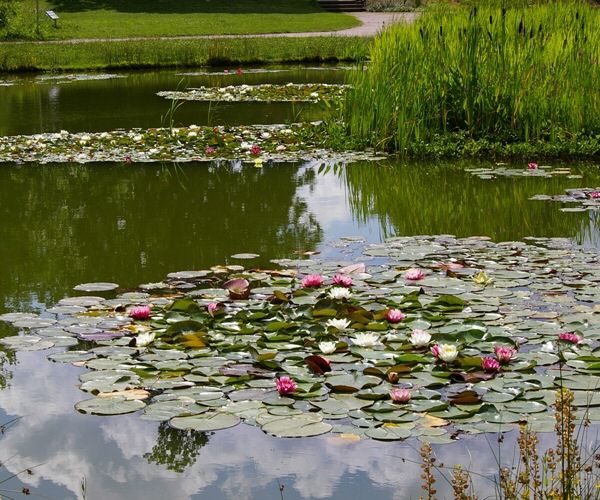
(580, 199)
(291, 92)
(276, 143)
(487, 333)
(250, 71)
(531, 170)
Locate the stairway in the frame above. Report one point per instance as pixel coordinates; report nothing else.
(342, 5)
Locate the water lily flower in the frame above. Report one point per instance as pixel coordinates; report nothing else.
(366, 339)
(139, 312)
(339, 324)
(482, 279)
(327, 347)
(192, 134)
(572, 338)
(341, 280)
(280, 148)
(225, 71)
(314, 94)
(212, 308)
(209, 150)
(595, 195)
(258, 163)
(532, 166)
(414, 275)
(265, 135)
(419, 338)
(145, 338)
(245, 145)
(137, 138)
(490, 365)
(285, 385)
(255, 150)
(445, 352)
(239, 71)
(504, 353)
(127, 159)
(394, 315)
(312, 281)
(400, 395)
(548, 347)
(339, 293)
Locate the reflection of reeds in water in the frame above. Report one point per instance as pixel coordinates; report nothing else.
(516, 74)
(412, 199)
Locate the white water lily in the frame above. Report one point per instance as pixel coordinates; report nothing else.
(327, 347)
(448, 353)
(366, 339)
(419, 338)
(339, 293)
(340, 324)
(548, 347)
(245, 145)
(144, 338)
(265, 135)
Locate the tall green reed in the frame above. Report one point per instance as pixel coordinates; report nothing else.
(505, 72)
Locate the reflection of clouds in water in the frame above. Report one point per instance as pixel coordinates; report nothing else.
(239, 463)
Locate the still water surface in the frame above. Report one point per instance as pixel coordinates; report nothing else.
(61, 225)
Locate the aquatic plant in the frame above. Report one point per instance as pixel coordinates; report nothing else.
(500, 74)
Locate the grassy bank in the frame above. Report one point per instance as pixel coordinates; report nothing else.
(483, 79)
(146, 18)
(33, 56)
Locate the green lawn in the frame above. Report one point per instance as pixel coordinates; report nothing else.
(147, 18)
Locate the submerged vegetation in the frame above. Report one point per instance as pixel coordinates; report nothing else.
(486, 76)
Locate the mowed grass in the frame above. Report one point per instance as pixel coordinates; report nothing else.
(151, 18)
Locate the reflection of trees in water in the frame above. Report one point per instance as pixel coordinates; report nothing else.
(441, 198)
(176, 449)
(61, 225)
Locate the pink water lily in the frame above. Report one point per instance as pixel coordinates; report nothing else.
(140, 312)
(312, 281)
(490, 365)
(435, 350)
(532, 166)
(414, 275)
(400, 395)
(341, 280)
(255, 150)
(210, 150)
(394, 315)
(572, 338)
(285, 385)
(504, 353)
(212, 308)
(595, 195)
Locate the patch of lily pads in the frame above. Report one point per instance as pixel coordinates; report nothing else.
(430, 337)
(529, 170)
(256, 143)
(579, 199)
(253, 71)
(76, 77)
(291, 92)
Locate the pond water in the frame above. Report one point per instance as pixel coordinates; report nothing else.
(61, 225)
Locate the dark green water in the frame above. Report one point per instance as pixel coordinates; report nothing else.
(61, 225)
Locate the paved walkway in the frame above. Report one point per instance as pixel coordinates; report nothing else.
(372, 23)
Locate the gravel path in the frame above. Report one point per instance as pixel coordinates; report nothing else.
(372, 23)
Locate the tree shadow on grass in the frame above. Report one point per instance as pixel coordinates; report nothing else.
(189, 6)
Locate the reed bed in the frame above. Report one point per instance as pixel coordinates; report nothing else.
(511, 74)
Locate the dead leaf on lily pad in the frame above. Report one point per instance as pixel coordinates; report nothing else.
(128, 394)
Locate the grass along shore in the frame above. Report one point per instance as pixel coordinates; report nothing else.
(34, 56)
(151, 18)
(483, 79)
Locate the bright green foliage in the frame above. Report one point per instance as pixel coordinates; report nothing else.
(516, 74)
